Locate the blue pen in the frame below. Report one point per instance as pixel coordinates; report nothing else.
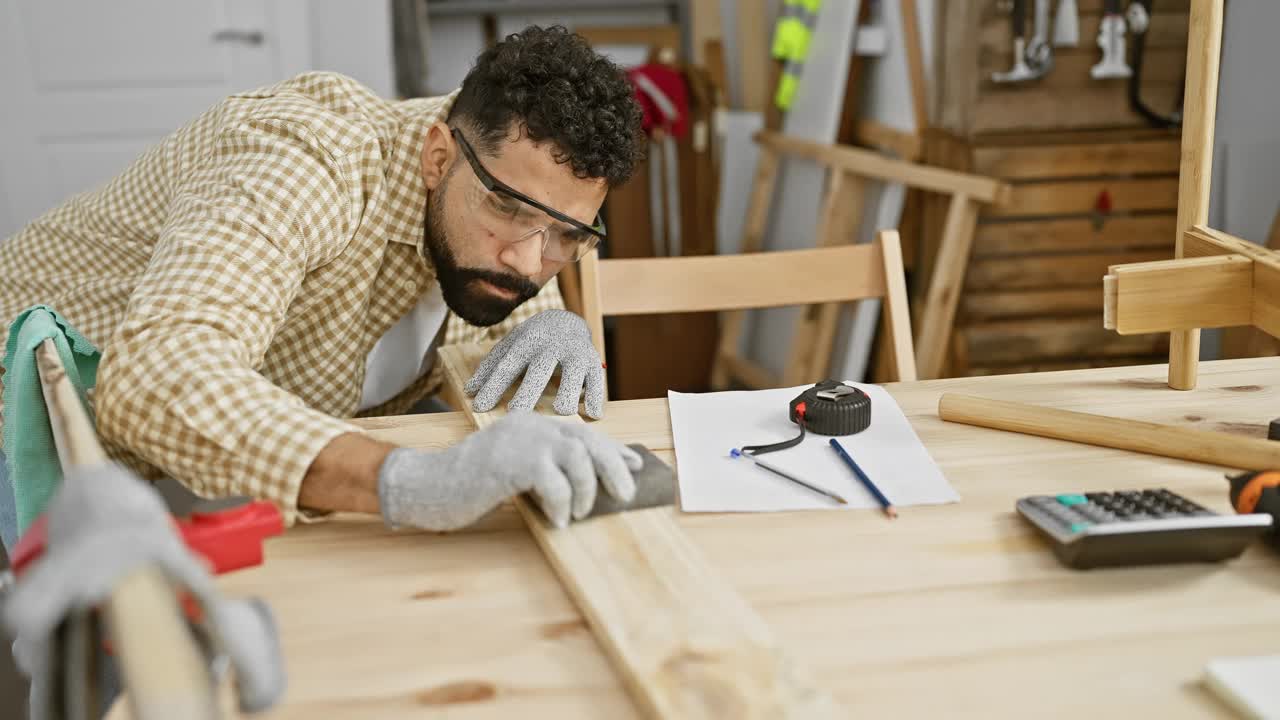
(866, 481)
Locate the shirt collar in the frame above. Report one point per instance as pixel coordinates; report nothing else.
(406, 195)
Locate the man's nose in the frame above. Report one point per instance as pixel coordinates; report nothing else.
(525, 255)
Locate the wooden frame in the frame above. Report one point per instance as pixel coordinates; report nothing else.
(754, 280)
(850, 168)
(1222, 281)
(685, 644)
(1216, 280)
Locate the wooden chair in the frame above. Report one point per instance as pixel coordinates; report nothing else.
(650, 286)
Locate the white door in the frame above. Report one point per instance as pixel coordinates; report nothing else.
(86, 85)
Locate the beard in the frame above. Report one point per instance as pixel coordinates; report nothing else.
(462, 287)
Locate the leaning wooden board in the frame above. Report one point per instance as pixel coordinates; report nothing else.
(1038, 261)
(684, 643)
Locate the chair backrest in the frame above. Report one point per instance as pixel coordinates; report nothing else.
(653, 286)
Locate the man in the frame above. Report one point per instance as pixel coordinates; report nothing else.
(288, 259)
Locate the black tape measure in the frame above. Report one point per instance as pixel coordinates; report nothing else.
(828, 408)
(832, 408)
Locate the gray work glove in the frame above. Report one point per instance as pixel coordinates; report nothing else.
(535, 347)
(561, 462)
(104, 524)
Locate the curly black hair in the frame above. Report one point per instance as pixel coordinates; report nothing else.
(548, 84)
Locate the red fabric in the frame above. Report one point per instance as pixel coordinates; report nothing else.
(671, 83)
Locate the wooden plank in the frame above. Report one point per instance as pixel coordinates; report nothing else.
(943, 149)
(915, 64)
(683, 641)
(957, 67)
(655, 37)
(161, 669)
(1069, 197)
(1266, 298)
(570, 284)
(870, 133)
(1179, 294)
(1075, 136)
(754, 61)
(1204, 49)
(1009, 304)
(750, 374)
(1021, 341)
(733, 324)
(1058, 271)
(1078, 160)
(1062, 235)
(894, 310)
(707, 29)
(592, 309)
(944, 288)
(1060, 365)
(1201, 241)
(755, 280)
(873, 165)
(1214, 448)
(815, 329)
(1037, 108)
(1242, 342)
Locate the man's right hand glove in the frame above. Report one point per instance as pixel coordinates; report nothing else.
(561, 462)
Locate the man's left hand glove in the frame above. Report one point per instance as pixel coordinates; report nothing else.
(535, 347)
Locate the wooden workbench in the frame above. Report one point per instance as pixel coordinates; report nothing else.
(950, 611)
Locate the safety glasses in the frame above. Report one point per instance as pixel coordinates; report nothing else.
(502, 205)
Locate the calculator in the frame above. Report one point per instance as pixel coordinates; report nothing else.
(1138, 527)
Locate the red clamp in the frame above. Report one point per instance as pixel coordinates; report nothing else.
(227, 540)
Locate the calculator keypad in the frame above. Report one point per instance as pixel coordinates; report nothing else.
(1136, 527)
(1075, 512)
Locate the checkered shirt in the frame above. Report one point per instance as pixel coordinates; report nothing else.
(236, 276)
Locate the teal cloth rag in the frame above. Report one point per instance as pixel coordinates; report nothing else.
(29, 449)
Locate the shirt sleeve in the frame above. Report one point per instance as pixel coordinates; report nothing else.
(178, 384)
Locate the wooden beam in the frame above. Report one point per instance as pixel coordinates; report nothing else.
(871, 164)
(944, 289)
(1206, 292)
(894, 309)
(684, 642)
(1213, 448)
(1201, 241)
(733, 324)
(1069, 197)
(592, 312)
(814, 332)
(1033, 162)
(905, 145)
(915, 65)
(1204, 50)
(754, 280)
(754, 60)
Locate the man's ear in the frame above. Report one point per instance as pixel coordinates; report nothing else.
(438, 150)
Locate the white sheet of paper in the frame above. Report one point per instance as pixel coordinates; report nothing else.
(1247, 684)
(706, 426)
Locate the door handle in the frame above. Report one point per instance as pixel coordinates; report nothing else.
(252, 38)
